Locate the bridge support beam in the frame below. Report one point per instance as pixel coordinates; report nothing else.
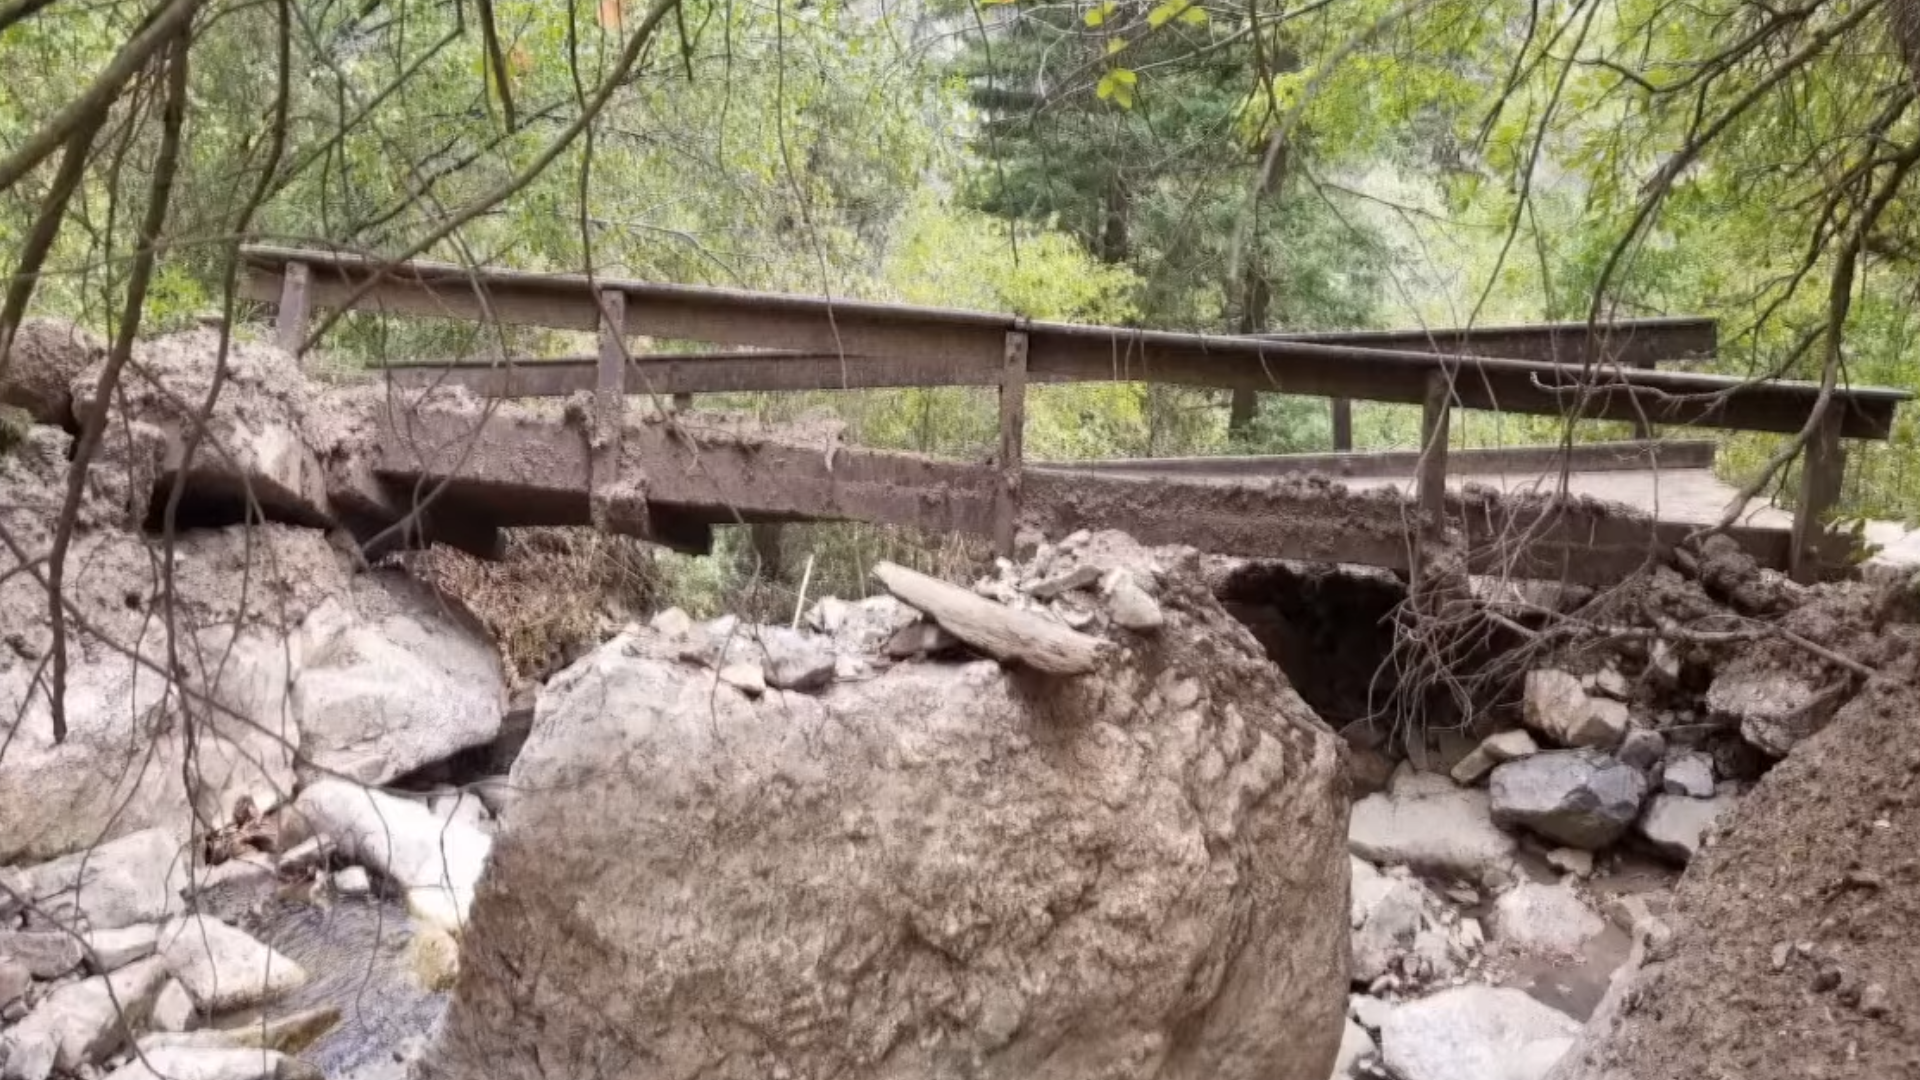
(296, 310)
(609, 404)
(1431, 479)
(1821, 472)
(1013, 440)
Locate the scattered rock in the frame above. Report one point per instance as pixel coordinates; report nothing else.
(862, 627)
(1397, 927)
(82, 1022)
(1557, 706)
(1493, 750)
(1689, 773)
(1571, 861)
(1409, 782)
(1084, 576)
(15, 981)
(1547, 920)
(1873, 1001)
(135, 879)
(1610, 682)
(197, 1063)
(1642, 748)
(1449, 833)
(47, 954)
(674, 623)
(289, 1034)
(223, 968)
(1581, 798)
(352, 881)
(1132, 608)
(1674, 826)
(1370, 1012)
(112, 950)
(1356, 1046)
(1370, 770)
(796, 660)
(435, 864)
(173, 1010)
(748, 678)
(921, 639)
(1775, 709)
(1475, 1033)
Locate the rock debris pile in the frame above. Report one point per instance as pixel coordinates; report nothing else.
(226, 696)
(1531, 856)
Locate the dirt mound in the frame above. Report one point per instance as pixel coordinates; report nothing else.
(1795, 935)
(41, 364)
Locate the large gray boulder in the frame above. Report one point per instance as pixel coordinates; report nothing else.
(944, 871)
(393, 676)
(1581, 798)
(126, 882)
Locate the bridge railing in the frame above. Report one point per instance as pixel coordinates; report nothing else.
(820, 343)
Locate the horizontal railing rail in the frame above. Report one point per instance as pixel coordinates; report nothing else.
(825, 343)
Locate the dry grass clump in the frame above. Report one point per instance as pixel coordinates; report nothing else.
(558, 593)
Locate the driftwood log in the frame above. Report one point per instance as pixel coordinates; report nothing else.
(1001, 632)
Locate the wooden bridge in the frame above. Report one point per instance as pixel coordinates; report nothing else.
(672, 482)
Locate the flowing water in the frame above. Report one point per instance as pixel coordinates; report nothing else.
(357, 955)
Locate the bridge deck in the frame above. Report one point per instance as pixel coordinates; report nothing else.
(673, 482)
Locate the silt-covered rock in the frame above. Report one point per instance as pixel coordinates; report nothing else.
(947, 870)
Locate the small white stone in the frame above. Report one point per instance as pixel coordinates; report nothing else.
(173, 1009)
(352, 881)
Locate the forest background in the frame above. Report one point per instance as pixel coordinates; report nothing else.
(1224, 167)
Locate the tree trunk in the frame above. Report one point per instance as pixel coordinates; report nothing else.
(1255, 287)
(766, 540)
(1113, 228)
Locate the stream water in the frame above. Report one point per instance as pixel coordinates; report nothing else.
(357, 957)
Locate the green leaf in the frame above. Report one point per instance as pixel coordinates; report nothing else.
(1185, 10)
(1117, 86)
(1114, 45)
(1099, 15)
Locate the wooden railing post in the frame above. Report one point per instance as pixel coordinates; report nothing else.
(609, 401)
(290, 324)
(1821, 472)
(1013, 434)
(1432, 477)
(1342, 424)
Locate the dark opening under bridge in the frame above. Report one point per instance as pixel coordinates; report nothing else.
(673, 482)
